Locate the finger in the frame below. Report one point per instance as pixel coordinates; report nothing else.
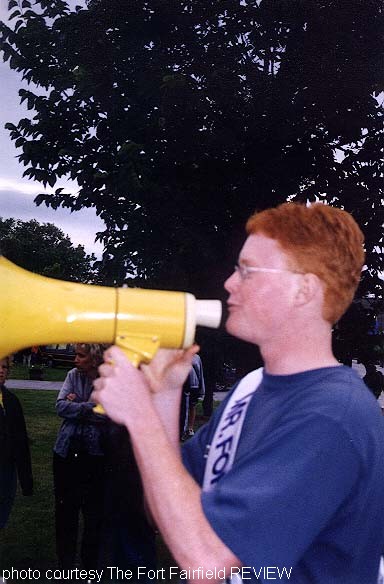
(106, 369)
(116, 355)
(193, 350)
(187, 355)
(146, 369)
(97, 385)
(165, 356)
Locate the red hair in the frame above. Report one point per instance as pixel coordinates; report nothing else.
(321, 240)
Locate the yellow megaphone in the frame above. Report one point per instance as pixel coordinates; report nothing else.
(35, 310)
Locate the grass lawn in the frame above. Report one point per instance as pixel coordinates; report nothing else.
(28, 540)
(49, 373)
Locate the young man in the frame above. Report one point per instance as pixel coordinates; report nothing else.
(292, 478)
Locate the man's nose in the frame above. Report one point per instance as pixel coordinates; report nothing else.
(230, 283)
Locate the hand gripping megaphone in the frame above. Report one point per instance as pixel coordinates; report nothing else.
(35, 310)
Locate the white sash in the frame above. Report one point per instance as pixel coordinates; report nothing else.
(227, 434)
(380, 578)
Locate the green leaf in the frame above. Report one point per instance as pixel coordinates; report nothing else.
(31, 14)
(14, 62)
(14, 14)
(40, 199)
(7, 53)
(52, 180)
(23, 94)
(18, 24)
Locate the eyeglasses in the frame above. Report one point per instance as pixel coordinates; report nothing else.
(245, 271)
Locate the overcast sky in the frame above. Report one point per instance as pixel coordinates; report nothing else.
(17, 193)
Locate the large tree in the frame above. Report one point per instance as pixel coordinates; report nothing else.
(44, 249)
(179, 118)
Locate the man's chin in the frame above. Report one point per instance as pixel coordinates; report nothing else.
(242, 333)
(230, 326)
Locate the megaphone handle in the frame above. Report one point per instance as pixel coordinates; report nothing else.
(138, 350)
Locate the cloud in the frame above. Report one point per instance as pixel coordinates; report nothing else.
(16, 200)
(20, 186)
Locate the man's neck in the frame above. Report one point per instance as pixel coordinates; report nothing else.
(298, 353)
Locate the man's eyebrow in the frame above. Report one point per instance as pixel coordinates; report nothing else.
(246, 262)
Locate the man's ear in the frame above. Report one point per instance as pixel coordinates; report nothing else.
(309, 287)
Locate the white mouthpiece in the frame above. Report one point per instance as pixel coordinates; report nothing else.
(200, 312)
(208, 313)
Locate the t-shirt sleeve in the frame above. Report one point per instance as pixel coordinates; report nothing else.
(282, 493)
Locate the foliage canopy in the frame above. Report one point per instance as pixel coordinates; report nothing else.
(178, 119)
(44, 249)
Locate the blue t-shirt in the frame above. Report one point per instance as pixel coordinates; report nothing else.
(306, 488)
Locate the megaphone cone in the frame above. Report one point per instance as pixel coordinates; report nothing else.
(35, 310)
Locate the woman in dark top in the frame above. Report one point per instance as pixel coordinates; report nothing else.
(79, 462)
(15, 458)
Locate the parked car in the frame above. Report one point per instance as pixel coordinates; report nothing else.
(58, 355)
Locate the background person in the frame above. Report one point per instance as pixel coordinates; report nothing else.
(35, 356)
(302, 489)
(373, 379)
(193, 389)
(79, 462)
(15, 457)
(128, 539)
